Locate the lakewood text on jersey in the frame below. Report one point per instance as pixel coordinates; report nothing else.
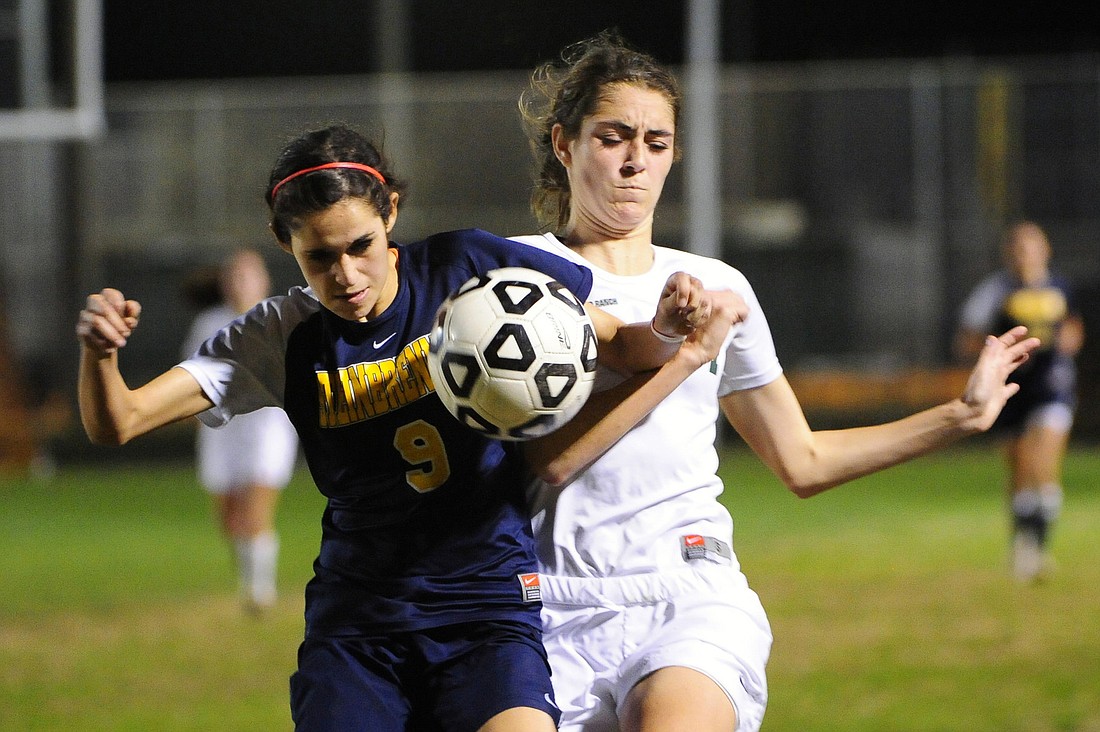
(366, 390)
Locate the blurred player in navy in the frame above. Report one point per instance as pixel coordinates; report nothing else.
(1036, 423)
(423, 612)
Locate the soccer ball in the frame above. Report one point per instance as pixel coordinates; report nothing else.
(513, 354)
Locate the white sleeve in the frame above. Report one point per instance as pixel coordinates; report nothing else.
(751, 359)
(979, 310)
(242, 368)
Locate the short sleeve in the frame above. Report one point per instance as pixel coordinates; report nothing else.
(242, 367)
(751, 360)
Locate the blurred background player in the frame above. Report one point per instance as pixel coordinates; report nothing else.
(245, 464)
(1036, 423)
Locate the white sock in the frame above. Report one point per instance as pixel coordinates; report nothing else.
(1050, 501)
(257, 560)
(1026, 502)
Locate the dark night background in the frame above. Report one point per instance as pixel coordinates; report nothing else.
(206, 39)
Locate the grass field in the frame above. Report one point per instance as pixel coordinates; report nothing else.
(889, 599)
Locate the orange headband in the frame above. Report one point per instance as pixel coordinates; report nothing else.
(326, 166)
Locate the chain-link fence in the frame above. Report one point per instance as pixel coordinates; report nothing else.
(861, 199)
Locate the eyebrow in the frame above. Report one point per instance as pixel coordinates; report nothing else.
(632, 130)
(366, 239)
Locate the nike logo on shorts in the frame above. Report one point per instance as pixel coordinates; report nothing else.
(529, 587)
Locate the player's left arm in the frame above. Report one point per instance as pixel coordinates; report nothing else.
(770, 419)
(1071, 336)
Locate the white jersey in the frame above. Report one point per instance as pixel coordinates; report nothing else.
(629, 511)
(256, 447)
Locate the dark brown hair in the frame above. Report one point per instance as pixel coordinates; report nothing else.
(566, 92)
(318, 190)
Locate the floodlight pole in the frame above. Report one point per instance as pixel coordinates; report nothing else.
(702, 156)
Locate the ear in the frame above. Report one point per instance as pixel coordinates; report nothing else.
(394, 196)
(285, 246)
(560, 143)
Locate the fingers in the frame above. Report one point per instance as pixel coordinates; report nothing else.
(1013, 335)
(1014, 344)
(131, 313)
(727, 305)
(724, 309)
(112, 298)
(682, 290)
(1017, 337)
(988, 387)
(680, 303)
(686, 306)
(107, 320)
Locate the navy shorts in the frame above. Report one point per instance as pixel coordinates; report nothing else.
(1050, 378)
(449, 679)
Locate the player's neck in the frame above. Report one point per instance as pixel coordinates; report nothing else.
(630, 254)
(1035, 277)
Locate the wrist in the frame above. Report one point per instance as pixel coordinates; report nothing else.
(967, 418)
(663, 337)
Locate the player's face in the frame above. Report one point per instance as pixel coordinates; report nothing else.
(619, 162)
(246, 281)
(344, 254)
(1027, 251)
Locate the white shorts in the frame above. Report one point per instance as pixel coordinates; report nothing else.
(1056, 416)
(260, 447)
(603, 636)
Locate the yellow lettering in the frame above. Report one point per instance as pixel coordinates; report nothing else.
(417, 355)
(369, 389)
(326, 400)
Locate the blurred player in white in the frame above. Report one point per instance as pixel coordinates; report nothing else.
(245, 464)
(1036, 424)
(649, 623)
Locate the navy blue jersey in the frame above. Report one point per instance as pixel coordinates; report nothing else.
(1001, 302)
(425, 523)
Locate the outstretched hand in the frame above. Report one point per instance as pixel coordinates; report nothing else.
(107, 320)
(988, 389)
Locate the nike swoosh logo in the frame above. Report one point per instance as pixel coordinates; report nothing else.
(384, 341)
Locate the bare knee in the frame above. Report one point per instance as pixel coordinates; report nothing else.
(678, 698)
(248, 511)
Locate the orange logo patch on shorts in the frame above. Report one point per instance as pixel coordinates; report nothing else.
(529, 586)
(696, 546)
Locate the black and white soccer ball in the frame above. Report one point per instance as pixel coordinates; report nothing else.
(513, 354)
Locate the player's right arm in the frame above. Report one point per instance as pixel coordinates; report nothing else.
(608, 415)
(111, 412)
